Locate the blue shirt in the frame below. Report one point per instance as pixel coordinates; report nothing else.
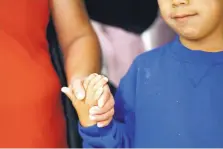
(170, 97)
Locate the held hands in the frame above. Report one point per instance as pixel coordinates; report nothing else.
(96, 104)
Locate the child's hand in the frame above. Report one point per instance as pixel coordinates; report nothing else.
(94, 88)
(103, 113)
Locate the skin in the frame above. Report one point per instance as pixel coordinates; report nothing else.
(96, 86)
(77, 39)
(79, 45)
(202, 31)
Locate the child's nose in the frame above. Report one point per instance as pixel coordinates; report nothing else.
(176, 3)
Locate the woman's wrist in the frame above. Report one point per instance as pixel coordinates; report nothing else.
(83, 115)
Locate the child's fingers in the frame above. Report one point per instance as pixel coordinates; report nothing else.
(103, 81)
(94, 81)
(88, 79)
(102, 117)
(90, 87)
(98, 93)
(98, 87)
(92, 101)
(109, 104)
(105, 97)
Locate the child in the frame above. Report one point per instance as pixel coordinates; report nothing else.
(172, 96)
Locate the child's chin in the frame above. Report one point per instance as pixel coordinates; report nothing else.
(190, 34)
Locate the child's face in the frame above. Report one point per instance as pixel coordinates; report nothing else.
(193, 19)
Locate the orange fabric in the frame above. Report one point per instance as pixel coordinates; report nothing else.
(31, 113)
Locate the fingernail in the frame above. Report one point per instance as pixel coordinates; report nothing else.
(91, 117)
(100, 125)
(79, 95)
(64, 89)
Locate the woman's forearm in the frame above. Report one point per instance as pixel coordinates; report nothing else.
(82, 57)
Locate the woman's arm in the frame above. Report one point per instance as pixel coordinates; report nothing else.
(79, 43)
(77, 39)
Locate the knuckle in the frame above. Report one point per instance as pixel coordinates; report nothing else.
(98, 76)
(103, 82)
(92, 75)
(101, 75)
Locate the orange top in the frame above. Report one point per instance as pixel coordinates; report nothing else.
(31, 113)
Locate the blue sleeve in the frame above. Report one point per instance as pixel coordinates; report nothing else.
(120, 132)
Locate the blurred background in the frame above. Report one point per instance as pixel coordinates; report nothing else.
(126, 28)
